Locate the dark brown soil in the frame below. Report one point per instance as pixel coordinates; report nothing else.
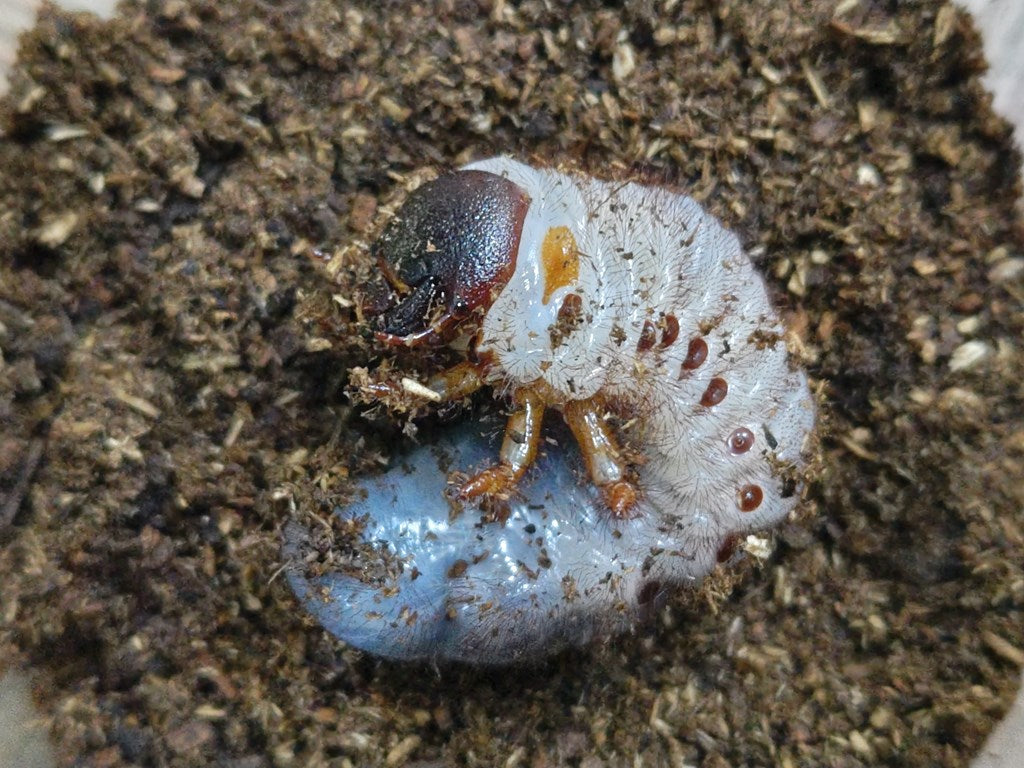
(174, 368)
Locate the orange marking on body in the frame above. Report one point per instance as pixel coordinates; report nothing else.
(560, 259)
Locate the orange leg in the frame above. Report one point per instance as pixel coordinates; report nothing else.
(457, 382)
(604, 460)
(518, 449)
(454, 383)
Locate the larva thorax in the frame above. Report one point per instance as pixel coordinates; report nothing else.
(580, 305)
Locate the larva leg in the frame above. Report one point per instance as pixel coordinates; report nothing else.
(604, 460)
(454, 383)
(518, 449)
(457, 382)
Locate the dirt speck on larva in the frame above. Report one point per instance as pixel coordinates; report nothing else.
(183, 194)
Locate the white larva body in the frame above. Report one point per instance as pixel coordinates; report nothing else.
(561, 569)
(645, 253)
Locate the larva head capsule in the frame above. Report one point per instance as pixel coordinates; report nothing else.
(447, 254)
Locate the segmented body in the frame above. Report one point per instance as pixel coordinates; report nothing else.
(677, 327)
(636, 296)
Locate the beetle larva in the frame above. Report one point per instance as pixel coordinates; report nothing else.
(590, 298)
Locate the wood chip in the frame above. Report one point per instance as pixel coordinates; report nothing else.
(62, 132)
(413, 387)
(394, 110)
(857, 449)
(817, 86)
(623, 62)
(211, 363)
(237, 422)
(887, 34)
(403, 750)
(945, 24)
(1003, 648)
(968, 355)
(138, 404)
(10, 504)
(57, 228)
(1006, 270)
(318, 344)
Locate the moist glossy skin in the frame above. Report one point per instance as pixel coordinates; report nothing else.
(554, 575)
(623, 297)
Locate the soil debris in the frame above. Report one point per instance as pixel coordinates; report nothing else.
(185, 191)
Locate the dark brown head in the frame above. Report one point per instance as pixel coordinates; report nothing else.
(447, 254)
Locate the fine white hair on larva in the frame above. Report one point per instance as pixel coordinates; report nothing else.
(655, 313)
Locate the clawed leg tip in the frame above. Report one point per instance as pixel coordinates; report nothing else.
(493, 481)
(621, 498)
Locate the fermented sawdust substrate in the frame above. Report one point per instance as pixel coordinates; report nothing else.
(174, 370)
